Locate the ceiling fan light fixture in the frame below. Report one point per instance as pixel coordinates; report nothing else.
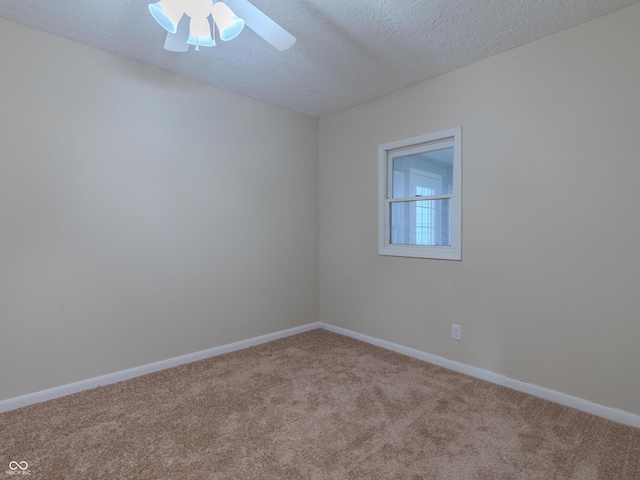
(199, 30)
(229, 24)
(200, 33)
(167, 13)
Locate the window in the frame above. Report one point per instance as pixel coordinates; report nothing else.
(419, 191)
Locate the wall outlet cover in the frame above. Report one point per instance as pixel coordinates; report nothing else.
(456, 332)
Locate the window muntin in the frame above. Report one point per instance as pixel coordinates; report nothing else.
(420, 196)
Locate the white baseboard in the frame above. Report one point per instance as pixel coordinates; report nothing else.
(61, 391)
(609, 413)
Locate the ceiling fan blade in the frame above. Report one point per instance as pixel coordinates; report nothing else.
(262, 25)
(177, 42)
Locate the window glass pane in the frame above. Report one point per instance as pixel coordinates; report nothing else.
(423, 174)
(425, 222)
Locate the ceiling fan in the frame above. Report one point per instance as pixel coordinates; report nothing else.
(188, 22)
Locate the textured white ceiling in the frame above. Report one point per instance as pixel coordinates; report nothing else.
(348, 51)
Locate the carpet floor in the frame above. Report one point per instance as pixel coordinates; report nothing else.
(312, 406)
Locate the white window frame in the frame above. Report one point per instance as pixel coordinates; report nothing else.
(431, 141)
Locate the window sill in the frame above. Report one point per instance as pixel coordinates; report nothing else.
(415, 251)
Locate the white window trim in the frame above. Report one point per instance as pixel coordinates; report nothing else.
(449, 252)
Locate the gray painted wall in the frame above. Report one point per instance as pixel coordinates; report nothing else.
(143, 215)
(548, 289)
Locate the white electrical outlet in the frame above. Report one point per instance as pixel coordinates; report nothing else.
(456, 332)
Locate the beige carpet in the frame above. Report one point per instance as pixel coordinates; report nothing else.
(313, 406)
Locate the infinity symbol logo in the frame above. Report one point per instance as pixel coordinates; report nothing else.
(15, 465)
